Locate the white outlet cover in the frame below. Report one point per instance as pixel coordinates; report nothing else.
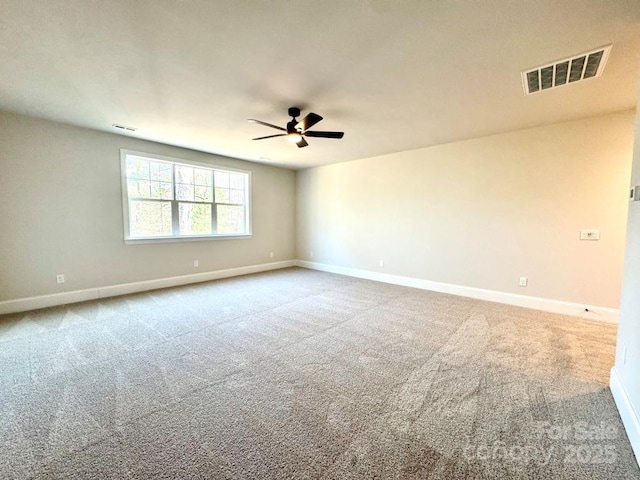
(196, 263)
(523, 281)
(590, 234)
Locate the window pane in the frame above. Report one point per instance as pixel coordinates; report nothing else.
(149, 219)
(230, 219)
(222, 179)
(236, 196)
(202, 177)
(202, 194)
(222, 195)
(144, 188)
(161, 190)
(132, 188)
(184, 192)
(236, 180)
(161, 172)
(184, 174)
(137, 168)
(195, 218)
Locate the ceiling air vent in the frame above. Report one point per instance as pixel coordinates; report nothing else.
(124, 127)
(569, 70)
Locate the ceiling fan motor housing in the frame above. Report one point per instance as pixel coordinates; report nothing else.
(291, 126)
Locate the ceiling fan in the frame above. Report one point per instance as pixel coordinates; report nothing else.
(297, 130)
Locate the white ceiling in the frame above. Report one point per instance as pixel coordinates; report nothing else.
(393, 74)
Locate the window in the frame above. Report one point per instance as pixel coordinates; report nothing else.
(166, 198)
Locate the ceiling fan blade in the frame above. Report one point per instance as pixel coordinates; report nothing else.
(271, 136)
(266, 124)
(302, 143)
(325, 134)
(308, 121)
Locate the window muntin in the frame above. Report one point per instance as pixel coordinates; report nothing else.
(172, 199)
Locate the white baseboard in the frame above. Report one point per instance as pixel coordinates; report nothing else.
(545, 304)
(42, 301)
(555, 306)
(628, 415)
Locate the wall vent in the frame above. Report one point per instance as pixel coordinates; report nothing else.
(563, 72)
(124, 127)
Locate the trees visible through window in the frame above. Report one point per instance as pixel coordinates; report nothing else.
(166, 198)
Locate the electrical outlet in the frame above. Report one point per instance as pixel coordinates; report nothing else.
(381, 263)
(196, 263)
(311, 254)
(60, 278)
(271, 254)
(590, 234)
(624, 354)
(523, 281)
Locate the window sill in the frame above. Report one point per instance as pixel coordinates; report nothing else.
(195, 238)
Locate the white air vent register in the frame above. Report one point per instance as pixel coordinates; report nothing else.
(563, 72)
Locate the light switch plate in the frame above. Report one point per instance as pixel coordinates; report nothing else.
(589, 234)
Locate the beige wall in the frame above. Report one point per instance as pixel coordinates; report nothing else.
(483, 212)
(61, 212)
(478, 213)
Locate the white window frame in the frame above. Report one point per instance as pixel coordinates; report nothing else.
(128, 239)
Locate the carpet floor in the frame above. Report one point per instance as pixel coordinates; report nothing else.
(301, 374)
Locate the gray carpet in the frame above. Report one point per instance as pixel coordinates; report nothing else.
(302, 374)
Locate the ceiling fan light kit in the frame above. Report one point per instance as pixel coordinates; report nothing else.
(297, 130)
(294, 137)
